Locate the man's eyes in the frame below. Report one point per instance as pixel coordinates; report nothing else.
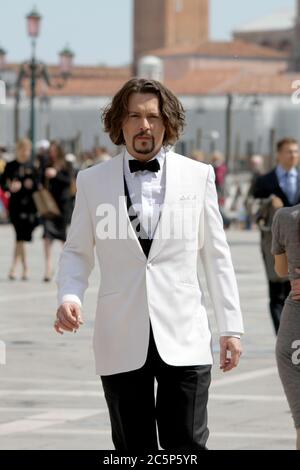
(148, 117)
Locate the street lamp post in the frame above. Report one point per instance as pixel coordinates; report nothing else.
(254, 103)
(2, 86)
(228, 129)
(33, 27)
(214, 136)
(35, 70)
(2, 70)
(66, 57)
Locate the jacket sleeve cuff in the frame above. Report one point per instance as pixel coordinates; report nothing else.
(69, 298)
(231, 333)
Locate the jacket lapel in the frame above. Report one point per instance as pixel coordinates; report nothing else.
(118, 200)
(118, 197)
(172, 180)
(142, 237)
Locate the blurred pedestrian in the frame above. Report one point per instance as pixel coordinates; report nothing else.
(42, 150)
(278, 188)
(220, 169)
(73, 168)
(101, 155)
(256, 164)
(286, 249)
(87, 160)
(2, 160)
(4, 196)
(198, 155)
(19, 179)
(56, 176)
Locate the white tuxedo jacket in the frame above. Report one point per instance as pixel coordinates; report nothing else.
(165, 286)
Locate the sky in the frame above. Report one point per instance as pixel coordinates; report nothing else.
(100, 31)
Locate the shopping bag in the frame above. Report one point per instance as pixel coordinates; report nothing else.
(45, 204)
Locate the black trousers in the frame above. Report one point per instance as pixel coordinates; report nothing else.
(180, 410)
(278, 292)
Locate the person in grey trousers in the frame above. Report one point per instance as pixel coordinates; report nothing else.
(278, 188)
(286, 249)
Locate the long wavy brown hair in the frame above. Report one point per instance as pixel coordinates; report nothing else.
(59, 159)
(171, 109)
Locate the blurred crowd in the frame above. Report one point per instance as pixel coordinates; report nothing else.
(235, 191)
(38, 189)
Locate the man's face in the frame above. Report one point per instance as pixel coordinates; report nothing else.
(288, 156)
(143, 128)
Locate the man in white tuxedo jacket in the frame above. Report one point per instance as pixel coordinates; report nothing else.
(152, 218)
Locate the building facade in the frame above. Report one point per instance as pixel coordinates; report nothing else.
(237, 95)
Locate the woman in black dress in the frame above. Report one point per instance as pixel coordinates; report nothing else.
(19, 179)
(56, 177)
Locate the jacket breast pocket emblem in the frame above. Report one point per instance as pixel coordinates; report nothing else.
(187, 197)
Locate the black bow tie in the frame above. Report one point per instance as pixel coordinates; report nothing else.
(137, 165)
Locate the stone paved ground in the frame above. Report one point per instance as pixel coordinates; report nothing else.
(51, 398)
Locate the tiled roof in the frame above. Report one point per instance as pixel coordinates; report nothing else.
(221, 79)
(220, 82)
(228, 49)
(85, 81)
(106, 86)
(202, 81)
(84, 70)
(279, 84)
(95, 72)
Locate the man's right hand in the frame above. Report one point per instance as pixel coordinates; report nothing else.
(68, 318)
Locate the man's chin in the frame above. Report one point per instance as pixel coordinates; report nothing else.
(143, 151)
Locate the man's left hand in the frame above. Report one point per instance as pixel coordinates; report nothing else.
(230, 352)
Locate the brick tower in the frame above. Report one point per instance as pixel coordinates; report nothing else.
(169, 23)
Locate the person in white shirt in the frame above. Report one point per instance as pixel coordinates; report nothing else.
(151, 321)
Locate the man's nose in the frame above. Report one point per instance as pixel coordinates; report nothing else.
(144, 124)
